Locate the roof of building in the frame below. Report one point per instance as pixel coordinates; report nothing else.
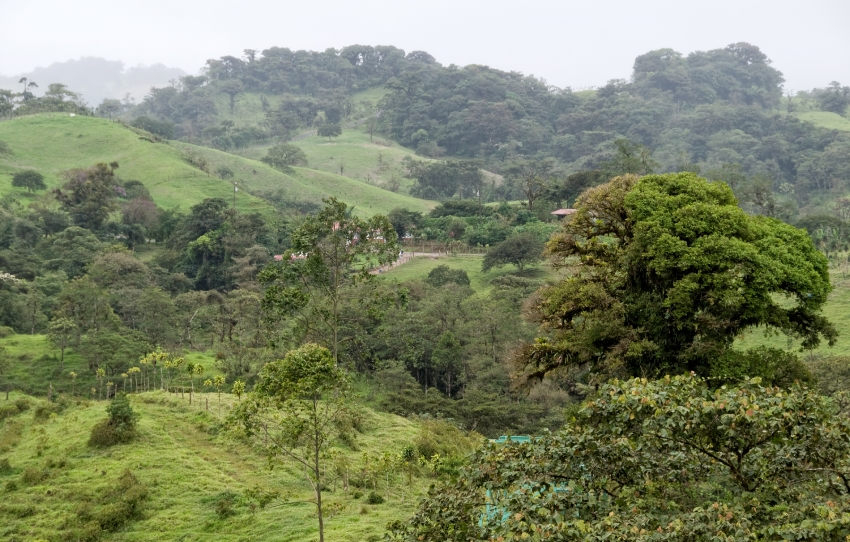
(563, 212)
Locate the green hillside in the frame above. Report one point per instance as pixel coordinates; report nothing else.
(194, 475)
(52, 143)
(825, 119)
(307, 184)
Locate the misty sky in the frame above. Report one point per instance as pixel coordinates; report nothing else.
(569, 43)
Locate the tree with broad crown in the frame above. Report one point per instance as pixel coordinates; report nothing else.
(293, 412)
(284, 156)
(29, 179)
(630, 158)
(672, 459)
(520, 250)
(232, 88)
(329, 130)
(532, 177)
(331, 252)
(668, 270)
(89, 195)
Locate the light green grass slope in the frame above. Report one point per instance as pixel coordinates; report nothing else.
(53, 143)
(36, 366)
(825, 119)
(836, 309)
(420, 266)
(376, 161)
(307, 184)
(185, 469)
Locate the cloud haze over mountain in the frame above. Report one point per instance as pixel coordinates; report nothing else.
(97, 78)
(569, 43)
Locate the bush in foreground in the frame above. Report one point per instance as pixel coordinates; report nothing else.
(671, 459)
(119, 427)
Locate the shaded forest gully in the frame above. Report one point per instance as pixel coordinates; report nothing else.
(362, 267)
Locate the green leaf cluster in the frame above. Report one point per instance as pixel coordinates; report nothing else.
(668, 270)
(671, 459)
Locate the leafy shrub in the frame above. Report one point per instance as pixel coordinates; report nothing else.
(356, 495)
(162, 129)
(6, 331)
(443, 274)
(43, 411)
(374, 498)
(5, 466)
(22, 404)
(34, 475)
(7, 411)
(224, 504)
(11, 486)
(467, 207)
(120, 427)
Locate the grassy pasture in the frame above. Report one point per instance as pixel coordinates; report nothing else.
(307, 184)
(187, 466)
(51, 143)
(36, 365)
(825, 119)
(420, 266)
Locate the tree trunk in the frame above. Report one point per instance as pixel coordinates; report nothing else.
(316, 466)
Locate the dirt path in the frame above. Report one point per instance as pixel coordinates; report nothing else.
(406, 258)
(410, 255)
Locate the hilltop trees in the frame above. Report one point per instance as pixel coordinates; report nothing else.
(29, 179)
(670, 270)
(835, 98)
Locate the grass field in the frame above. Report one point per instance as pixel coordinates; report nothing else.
(308, 184)
(36, 364)
(376, 162)
(825, 119)
(51, 143)
(420, 266)
(187, 466)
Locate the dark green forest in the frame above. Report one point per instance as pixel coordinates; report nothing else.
(720, 112)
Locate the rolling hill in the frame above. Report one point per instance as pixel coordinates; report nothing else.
(195, 482)
(52, 143)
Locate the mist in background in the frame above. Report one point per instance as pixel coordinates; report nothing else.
(98, 78)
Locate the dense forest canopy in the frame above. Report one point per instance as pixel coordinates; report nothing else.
(721, 112)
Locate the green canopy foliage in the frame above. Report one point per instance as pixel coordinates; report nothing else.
(519, 249)
(669, 270)
(672, 459)
(29, 179)
(284, 156)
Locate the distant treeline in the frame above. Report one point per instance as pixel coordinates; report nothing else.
(721, 112)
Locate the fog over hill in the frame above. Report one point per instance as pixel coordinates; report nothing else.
(97, 78)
